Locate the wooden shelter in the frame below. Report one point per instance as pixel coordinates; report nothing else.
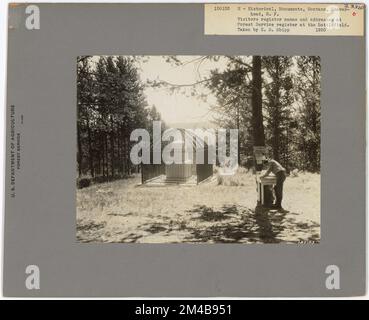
(188, 171)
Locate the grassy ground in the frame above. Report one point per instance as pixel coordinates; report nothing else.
(221, 211)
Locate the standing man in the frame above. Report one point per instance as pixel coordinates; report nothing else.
(280, 173)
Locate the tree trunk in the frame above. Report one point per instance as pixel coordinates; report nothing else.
(112, 146)
(119, 150)
(238, 136)
(257, 115)
(79, 149)
(106, 154)
(90, 156)
(103, 153)
(276, 112)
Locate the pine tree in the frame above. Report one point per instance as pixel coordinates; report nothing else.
(279, 104)
(110, 104)
(308, 97)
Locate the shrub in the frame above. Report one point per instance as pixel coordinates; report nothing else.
(83, 183)
(220, 179)
(294, 173)
(100, 179)
(240, 178)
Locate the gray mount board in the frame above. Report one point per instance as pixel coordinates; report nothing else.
(40, 221)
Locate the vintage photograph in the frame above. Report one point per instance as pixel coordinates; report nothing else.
(198, 149)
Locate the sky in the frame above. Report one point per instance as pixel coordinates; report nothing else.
(179, 106)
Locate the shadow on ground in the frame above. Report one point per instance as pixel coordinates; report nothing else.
(89, 231)
(202, 224)
(243, 225)
(237, 224)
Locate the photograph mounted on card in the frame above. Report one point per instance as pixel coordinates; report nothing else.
(164, 146)
(185, 150)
